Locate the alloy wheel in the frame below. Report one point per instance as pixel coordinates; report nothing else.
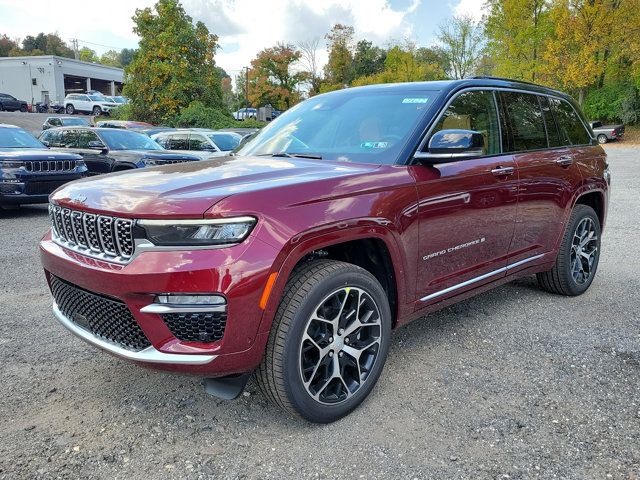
(340, 345)
(584, 249)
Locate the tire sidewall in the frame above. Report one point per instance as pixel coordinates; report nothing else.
(583, 212)
(97, 111)
(70, 109)
(602, 139)
(295, 390)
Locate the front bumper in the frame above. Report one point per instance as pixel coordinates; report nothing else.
(33, 188)
(238, 273)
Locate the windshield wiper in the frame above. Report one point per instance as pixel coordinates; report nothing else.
(297, 155)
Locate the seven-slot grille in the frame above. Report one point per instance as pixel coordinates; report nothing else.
(50, 165)
(100, 236)
(105, 317)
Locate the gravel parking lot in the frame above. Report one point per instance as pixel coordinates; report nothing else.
(514, 383)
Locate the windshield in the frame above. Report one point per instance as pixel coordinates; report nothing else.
(17, 138)
(97, 98)
(74, 121)
(349, 125)
(126, 140)
(225, 141)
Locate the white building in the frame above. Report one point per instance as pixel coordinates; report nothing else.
(48, 78)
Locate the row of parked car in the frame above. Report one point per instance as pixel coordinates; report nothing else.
(31, 168)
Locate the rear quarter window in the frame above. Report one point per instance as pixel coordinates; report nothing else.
(572, 131)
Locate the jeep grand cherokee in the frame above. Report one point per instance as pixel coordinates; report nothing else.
(350, 215)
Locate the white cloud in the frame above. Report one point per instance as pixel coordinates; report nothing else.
(471, 8)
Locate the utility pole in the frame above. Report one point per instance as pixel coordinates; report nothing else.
(76, 53)
(246, 86)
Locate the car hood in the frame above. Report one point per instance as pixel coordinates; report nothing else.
(190, 189)
(35, 154)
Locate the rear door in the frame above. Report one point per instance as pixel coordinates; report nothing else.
(467, 208)
(548, 173)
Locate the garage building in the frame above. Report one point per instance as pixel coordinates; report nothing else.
(49, 78)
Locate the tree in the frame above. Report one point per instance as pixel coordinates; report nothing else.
(44, 44)
(174, 65)
(368, 59)
(434, 55)
(461, 42)
(87, 55)
(111, 58)
(6, 45)
(272, 79)
(516, 31)
(125, 57)
(309, 61)
(339, 68)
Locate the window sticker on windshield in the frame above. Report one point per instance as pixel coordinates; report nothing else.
(374, 144)
(415, 100)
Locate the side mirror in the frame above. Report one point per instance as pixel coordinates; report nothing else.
(97, 145)
(451, 145)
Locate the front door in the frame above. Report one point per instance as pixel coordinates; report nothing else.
(97, 160)
(467, 208)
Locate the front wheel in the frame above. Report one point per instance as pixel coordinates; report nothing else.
(97, 111)
(328, 343)
(578, 257)
(602, 139)
(70, 109)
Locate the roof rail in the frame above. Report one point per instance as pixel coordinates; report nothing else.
(489, 77)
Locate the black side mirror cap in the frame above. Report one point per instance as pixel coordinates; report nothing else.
(451, 145)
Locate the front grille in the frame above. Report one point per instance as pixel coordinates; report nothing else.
(101, 236)
(105, 317)
(42, 188)
(196, 327)
(50, 165)
(169, 162)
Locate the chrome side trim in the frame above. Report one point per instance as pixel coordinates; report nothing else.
(479, 278)
(203, 221)
(162, 308)
(150, 354)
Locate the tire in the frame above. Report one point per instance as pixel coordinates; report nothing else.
(602, 139)
(70, 109)
(569, 275)
(97, 111)
(23, 108)
(292, 360)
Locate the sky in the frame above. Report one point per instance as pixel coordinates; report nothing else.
(244, 27)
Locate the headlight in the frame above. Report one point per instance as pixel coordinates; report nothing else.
(148, 162)
(221, 231)
(10, 165)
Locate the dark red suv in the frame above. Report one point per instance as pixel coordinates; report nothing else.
(351, 214)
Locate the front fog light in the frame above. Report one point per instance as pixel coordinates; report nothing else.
(171, 299)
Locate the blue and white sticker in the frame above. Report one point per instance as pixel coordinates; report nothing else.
(415, 100)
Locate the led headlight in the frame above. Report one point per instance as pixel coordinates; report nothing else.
(220, 231)
(148, 162)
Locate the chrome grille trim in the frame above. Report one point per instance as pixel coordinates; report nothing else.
(99, 236)
(50, 165)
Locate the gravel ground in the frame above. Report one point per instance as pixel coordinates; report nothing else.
(514, 383)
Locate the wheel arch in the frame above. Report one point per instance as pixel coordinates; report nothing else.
(371, 248)
(594, 199)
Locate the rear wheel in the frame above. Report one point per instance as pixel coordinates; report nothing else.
(328, 343)
(578, 257)
(602, 139)
(70, 109)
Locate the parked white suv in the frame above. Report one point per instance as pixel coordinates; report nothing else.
(94, 104)
(198, 141)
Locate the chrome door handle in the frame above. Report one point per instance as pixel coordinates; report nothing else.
(503, 171)
(564, 161)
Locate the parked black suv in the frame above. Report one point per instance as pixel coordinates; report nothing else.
(107, 150)
(11, 103)
(29, 171)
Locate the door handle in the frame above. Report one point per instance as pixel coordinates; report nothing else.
(503, 171)
(564, 160)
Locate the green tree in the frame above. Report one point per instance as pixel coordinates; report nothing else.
(87, 55)
(461, 41)
(174, 65)
(272, 79)
(368, 59)
(111, 58)
(339, 68)
(516, 31)
(6, 45)
(125, 57)
(402, 65)
(45, 44)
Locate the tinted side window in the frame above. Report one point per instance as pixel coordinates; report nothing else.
(85, 137)
(474, 111)
(163, 141)
(524, 119)
(178, 142)
(552, 129)
(198, 142)
(572, 130)
(69, 139)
